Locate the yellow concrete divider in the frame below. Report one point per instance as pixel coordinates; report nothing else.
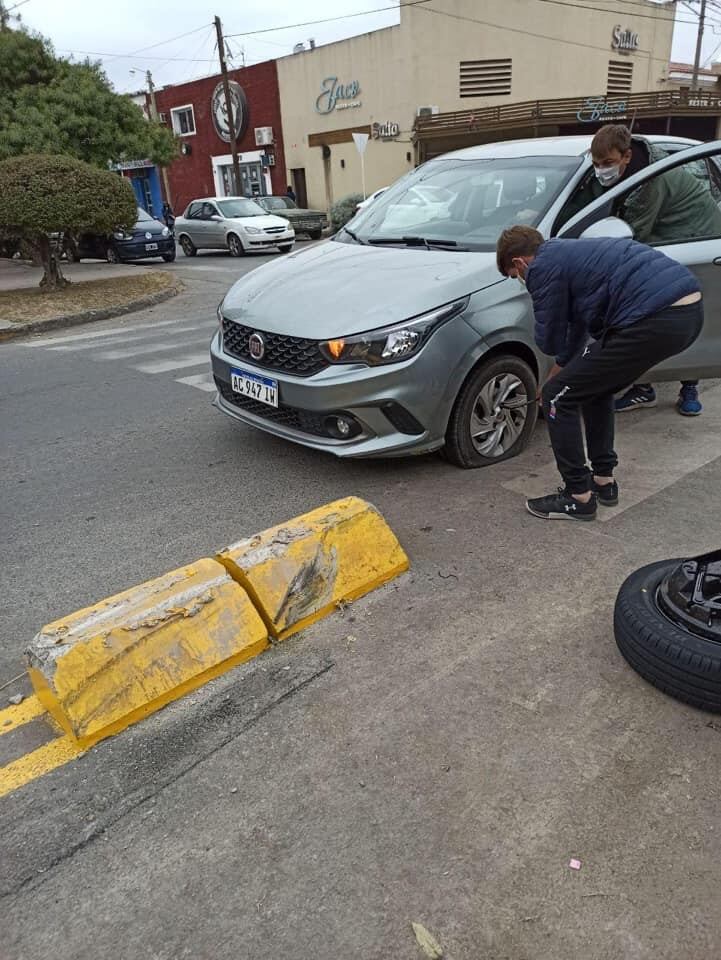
(107, 666)
(300, 571)
(103, 668)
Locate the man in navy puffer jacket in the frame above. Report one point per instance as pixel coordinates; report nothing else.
(608, 310)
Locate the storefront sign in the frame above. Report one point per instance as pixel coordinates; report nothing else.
(337, 96)
(385, 131)
(596, 108)
(219, 111)
(130, 164)
(624, 39)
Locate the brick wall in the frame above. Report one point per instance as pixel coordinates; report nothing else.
(192, 176)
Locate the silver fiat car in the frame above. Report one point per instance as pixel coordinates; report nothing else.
(399, 336)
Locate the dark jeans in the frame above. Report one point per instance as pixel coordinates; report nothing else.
(585, 388)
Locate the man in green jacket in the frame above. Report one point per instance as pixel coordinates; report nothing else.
(673, 206)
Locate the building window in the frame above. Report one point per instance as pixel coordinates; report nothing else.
(485, 78)
(620, 78)
(183, 121)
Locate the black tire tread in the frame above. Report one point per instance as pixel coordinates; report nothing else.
(683, 665)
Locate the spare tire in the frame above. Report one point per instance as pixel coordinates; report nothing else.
(668, 627)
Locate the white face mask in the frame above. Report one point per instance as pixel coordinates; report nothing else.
(521, 279)
(607, 176)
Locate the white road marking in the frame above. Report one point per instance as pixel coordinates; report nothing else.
(657, 449)
(52, 341)
(133, 338)
(152, 348)
(163, 366)
(202, 381)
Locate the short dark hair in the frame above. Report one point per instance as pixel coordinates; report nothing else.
(614, 136)
(518, 241)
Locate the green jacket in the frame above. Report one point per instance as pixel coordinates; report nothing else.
(675, 206)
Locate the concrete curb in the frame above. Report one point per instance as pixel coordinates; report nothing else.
(11, 331)
(103, 668)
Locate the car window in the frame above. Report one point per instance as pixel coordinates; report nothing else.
(678, 206)
(241, 208)
(278, 203)
(195, 211)
(144, 216)
(468, 202)
(208, 211)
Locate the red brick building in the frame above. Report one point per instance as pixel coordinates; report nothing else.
(196, 112)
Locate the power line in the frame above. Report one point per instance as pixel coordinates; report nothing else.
(131, 56)
(313, 23)
(580, 6)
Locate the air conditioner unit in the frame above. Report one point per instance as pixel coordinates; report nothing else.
(427, 111)
(163, 117)
(271, 160)
(263, 136)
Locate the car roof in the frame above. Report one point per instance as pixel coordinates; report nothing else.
(547, 147)
(214, 199)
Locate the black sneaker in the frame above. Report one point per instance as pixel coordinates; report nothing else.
(606, 493)
(562, 506)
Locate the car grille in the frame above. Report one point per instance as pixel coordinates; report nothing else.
(275, 229)
(302, 420)
(294, 355)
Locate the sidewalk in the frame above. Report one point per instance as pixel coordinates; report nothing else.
(22, 275)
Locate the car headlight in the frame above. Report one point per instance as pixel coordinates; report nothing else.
(166, 232)
(391, 344)
(122, 235)
(253, 230)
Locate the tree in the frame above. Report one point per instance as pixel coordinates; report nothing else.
(42, 194)
(48, 103)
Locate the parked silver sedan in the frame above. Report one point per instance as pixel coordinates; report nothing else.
(236, 224)
(400, 336)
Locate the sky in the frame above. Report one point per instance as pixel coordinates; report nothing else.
(120, 34)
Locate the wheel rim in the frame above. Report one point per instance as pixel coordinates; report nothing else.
(498, 415)
(234, 245)
(186, 245)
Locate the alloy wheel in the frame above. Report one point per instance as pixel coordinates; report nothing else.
(498, 415)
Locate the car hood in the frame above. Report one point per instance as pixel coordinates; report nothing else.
(338, 289)
(268, 220)
(302, 212)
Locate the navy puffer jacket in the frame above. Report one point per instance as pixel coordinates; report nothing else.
(582, 287)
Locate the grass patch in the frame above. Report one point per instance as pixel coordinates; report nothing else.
(29, 306)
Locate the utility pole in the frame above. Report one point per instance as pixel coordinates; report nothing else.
(154, 118)
(228, 105)
(699, 43)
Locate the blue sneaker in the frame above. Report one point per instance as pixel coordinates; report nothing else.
(688, 403)
(635, 397)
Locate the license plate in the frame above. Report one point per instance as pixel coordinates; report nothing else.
(151, 246)
(251, 385)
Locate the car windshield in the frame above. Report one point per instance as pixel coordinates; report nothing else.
(240, 208)
(463, 203)
(144, 216)
(278, 203)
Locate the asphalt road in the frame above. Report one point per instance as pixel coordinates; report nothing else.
(437, 753)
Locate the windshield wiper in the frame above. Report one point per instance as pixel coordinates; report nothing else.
(354, 235)
(426, 242)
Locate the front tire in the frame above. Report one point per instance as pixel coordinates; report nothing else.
(188, 247)
(315, 234)
(286, 249)
(494, 414)
(235, 246)
(112, 255)
(169, 257)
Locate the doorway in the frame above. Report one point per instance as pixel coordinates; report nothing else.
(252, 181)
(299, 186)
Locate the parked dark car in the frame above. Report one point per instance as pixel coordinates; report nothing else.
(312, 222)
(147, 238)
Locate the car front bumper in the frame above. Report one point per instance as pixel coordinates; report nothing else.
(136, 249)
(395, 410)
(265, 241)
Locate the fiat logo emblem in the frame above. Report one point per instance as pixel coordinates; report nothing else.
(256, 346)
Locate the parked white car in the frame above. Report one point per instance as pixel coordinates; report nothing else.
(364, 203)
(236, 224)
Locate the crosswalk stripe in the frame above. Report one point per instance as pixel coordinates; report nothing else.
(133, 338)
(202, 381)
(163, 366)
(151, 348)
(51, 342)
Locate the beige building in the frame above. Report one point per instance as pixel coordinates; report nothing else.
(457, 55)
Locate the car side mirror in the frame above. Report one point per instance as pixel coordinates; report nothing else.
(612, 227)
(216, 216)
